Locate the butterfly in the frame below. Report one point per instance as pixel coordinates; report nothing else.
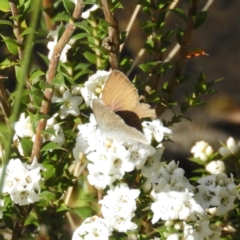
(118, 113)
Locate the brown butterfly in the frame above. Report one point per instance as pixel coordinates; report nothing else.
(119, 111)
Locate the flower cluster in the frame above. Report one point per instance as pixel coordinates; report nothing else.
(93, 228)
(203, 151)
(118, 208)
(22, 181)
(218, 192)
(231, 148)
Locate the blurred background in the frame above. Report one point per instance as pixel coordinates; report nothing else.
(219, 37)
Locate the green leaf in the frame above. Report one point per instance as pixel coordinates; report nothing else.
(81, 73)
(179, 36)
(90, 57)
(6, 64)
(8, 221)
(47, 196)
(32, 220)
(36, 74)
(50, 131)
(27, 31)
(83, 212)
(68, 5)
(80, 36)
(61, 17)
(59, 79)
(4, 6)
(27, 145)
(11, 44)
(200, 19)
(179, 12)
(51, 146)
(5, 22)
(37, 97)
(147, 67)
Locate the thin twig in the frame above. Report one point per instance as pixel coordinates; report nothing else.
(130, 24)
(17, 26)
(50, 76)
(176, 47)
(48, 12)
(142, 51)
(184, 48)
(113, 36)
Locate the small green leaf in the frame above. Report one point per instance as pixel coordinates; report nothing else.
(5, 22)
(200, 19)
(68, 5)
(27, 31)
(62, 17)
(59, 79)
(179, 35)
(49, 131)
(6, 64)
(36, 74)
(4, 6)
(27, 145)
(90, 57)
(11, 44)
(179, 12)
(47, 196)
(8, 221)
(81, 73)
(83, 212)
(51, 146)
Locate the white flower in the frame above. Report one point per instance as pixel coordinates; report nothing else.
(118, 207)
(94, 86)
(226, 200)
(22, 181)
(202, 150)
(215, 167)
(86, 14)
(23, 127)
(231, 148)
(175, 205)
(174, 236)
(205, 197)
(51, 45)
(209, 182)
(1, 207)
(216, 232)
(200, 230)
(156, 129)
(93, 228)
(138, 154)
(153, 163)
(70, 104)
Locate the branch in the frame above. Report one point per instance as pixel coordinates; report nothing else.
(50, 76)
(111, 43)
(17, 26)
(184, 48)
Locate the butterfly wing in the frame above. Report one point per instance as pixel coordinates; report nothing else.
(112, 126)
(119, 94)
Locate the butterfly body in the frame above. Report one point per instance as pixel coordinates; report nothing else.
(118, 113)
